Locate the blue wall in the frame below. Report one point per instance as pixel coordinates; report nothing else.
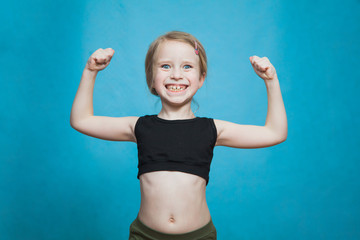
(56, 183)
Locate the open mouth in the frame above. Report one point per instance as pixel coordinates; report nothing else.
(176, 87)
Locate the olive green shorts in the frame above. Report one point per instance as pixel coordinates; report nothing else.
(139, 231)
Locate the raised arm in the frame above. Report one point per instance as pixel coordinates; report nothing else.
(275, 129)
(82, 114)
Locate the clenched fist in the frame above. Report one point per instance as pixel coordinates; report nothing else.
(263, 67)
(100, 59)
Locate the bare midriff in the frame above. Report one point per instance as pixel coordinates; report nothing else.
(173, 202)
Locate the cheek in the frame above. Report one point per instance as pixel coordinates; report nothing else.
(158, 78)
(194, 76)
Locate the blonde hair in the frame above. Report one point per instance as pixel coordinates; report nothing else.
(171, 36)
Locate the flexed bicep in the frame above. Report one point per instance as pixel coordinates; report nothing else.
(108, 128)
(244, 136)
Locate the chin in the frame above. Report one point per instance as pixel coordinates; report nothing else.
(175, 102)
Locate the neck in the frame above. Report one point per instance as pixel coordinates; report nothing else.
(173, 112)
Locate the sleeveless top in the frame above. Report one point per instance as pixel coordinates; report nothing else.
(184, 145)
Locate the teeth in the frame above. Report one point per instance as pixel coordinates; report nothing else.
(175, 88)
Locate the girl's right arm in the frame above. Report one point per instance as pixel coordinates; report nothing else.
(82, 115)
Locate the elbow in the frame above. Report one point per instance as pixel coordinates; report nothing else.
(282, 139)
(278, 137)
(74, 124)
(282, 135)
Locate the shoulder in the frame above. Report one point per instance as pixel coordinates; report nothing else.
(220, 125)
(140, 119)
(132, 120)
(210, 121)
(136, 122)
(225, 130)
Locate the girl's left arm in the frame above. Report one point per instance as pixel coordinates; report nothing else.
(275, 129)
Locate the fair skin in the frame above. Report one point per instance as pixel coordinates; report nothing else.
(177, 65)
(175, 202)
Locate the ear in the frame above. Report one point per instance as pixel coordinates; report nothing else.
(201, 80)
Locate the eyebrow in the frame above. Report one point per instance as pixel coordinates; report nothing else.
(163, 60)
(169, 60)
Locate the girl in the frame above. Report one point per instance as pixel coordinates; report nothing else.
(175, 147)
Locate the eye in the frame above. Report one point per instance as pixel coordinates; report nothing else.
(165, 66)
(187, 67)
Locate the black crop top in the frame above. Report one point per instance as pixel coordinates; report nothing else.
(184, 145)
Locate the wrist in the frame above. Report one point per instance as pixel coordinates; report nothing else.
(272, 82)
(89, 71)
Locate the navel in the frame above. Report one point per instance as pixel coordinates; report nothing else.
(171, 220)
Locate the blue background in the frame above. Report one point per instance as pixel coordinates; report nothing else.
(56, 183)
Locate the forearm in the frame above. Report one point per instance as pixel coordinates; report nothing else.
(83, 103)
(276, 116)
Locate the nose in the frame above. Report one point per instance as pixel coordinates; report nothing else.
(176, 74)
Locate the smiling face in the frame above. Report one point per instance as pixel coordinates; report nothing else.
(176, 72)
